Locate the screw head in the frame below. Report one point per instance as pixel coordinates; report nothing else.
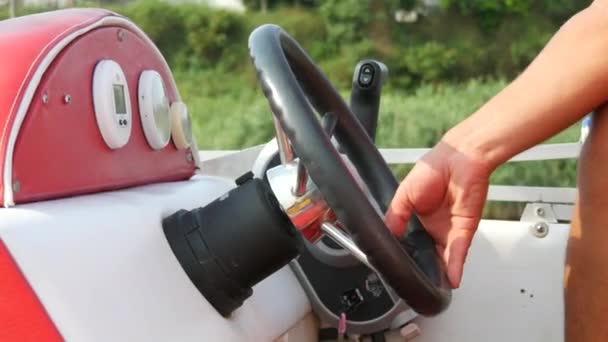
(67, 99)
(16, 186)
(121, 35)
(540, 212)
(45, 98)
(540, 229)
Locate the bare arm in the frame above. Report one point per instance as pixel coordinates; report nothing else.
(568, 79)
(448, 187)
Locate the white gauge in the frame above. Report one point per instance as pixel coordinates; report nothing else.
(112, 103)
(181, 125)
(154, 109)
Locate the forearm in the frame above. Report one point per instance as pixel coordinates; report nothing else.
(568, 79)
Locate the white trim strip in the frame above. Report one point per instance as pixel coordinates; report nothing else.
(227, 161)
(531, 194)
(112, 20)
(540, 152)
(563, 212)
(214, 154)
(412, 155)
(231, 165)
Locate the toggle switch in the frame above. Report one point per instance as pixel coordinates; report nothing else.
(351, 299)
(366, 76)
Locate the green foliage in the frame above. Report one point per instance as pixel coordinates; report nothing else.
(402, 4)
(490, 13)
(191, 35)
(429, 62)
(306, 26)
(339, 69)
(560, 10)
(437, 65)
(228, 116)
(217, 37)
(255, 4)
(347, 20)
(524, 50)
(447, 46)
(420, 119)
(225, 114)
(162, 22)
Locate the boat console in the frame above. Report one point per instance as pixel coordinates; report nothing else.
(115, 228)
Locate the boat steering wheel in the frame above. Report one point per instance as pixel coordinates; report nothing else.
(295, 88)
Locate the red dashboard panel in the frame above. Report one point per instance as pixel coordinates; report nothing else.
(59, 150)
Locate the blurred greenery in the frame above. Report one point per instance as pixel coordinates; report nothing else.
(226, 117)
(445, 62)
(457, 41)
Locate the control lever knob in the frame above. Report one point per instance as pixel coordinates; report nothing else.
(369, 77)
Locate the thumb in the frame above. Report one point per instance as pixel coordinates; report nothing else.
(400, 210)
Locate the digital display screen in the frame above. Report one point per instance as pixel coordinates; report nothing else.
(119, 99)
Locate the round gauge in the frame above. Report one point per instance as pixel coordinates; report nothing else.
(112, 103)
(181, 125)
(154, 109)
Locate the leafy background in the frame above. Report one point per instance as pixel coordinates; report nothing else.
(443, 66)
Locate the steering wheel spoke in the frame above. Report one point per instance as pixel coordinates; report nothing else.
(285, 150)
(347, 243)
(301, 180)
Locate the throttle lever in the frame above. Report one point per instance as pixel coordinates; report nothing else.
(369, 77)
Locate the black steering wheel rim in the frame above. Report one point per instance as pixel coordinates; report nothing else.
(292, 82)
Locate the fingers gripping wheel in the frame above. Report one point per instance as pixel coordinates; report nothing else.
(292, 82)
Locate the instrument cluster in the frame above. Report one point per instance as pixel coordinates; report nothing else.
(160, 119)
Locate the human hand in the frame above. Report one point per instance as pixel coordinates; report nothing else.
(447, 189)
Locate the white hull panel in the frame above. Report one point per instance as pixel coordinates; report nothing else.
(104, 271)
(490, 305)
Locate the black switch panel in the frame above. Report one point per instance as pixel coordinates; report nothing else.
(351, 299)
(344, 289)
(366, 76)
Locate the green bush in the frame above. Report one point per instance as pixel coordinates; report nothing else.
(429, 62)
(489, 14)
(339, 68)
(451, 45)
(470, 52)
(228, 116)
(217, 37)
(191, 35)
(524, 50)
(255, 4)
(560, 10)
(347, 20)
(162, 22)
(306, 26)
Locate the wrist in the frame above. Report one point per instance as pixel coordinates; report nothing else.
(466, 146)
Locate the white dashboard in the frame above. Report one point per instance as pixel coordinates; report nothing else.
(104, 271)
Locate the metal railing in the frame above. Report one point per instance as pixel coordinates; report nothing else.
(232, 161)
(555, 202)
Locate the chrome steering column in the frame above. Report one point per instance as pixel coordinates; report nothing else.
(302, 201)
